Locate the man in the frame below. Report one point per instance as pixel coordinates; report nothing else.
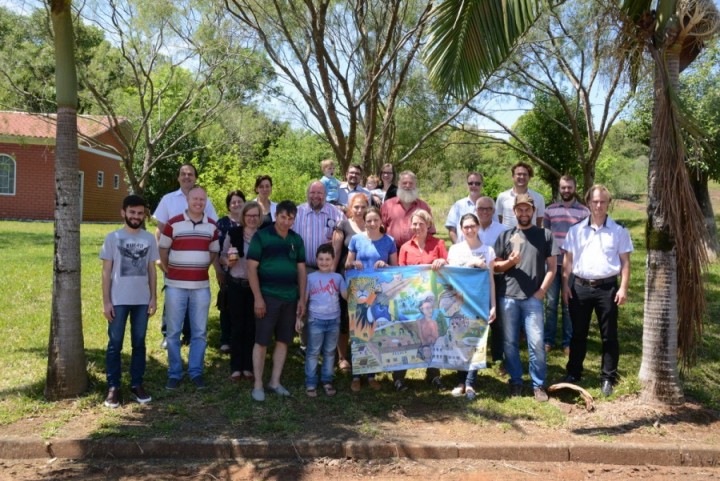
(597, 251)
(315, 222)
(559, 217)
(276, 272)
(396, 213)
(353, 177)
(129, 287)
(464, 206)
(188, 246)
(523, 253)
(174, 204)
(489, 229)
(521, 175)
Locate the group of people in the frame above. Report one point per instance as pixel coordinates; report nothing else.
(281, 270)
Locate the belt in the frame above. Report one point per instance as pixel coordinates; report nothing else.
(596, 282)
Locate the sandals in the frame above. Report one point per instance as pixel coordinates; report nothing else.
(344, 366)
(329, 390)
(311, 392)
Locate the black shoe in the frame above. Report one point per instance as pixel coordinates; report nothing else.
(140, 395)
(199, 382)
(172, 384)
(113, 398)
(400, 386)
(570, 379)
(515, 390)
(606, 387)
(437, 384)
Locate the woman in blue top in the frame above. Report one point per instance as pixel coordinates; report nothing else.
(372, 249)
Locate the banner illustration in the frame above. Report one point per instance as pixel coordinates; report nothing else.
(414, 317)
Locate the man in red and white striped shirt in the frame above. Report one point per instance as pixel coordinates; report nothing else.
(188, 246)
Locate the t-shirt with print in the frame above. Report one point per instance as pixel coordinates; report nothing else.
(132, 254)
(323, 290)
(370, 251)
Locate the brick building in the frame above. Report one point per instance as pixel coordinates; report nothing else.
(27, 167)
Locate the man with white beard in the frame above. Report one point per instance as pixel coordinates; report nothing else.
(397, 212)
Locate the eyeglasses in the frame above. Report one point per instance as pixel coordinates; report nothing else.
(252, 216)
(469, 227)
(475, 183)
(485, 209)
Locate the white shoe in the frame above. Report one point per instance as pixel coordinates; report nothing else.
(458, 391)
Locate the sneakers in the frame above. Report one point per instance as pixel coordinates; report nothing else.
(279, 390)
(163, 343)
(515, 390)
(540, 395)
(458, 391)
(140, 395)
(199, 382)
(606, 387)
(469, 393)
(113, 398)
(172, 384)
(400, 386)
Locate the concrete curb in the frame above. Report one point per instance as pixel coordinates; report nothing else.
(601, 453)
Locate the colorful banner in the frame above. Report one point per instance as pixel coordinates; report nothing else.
(414, 317)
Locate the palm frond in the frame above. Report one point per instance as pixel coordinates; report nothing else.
(469, 39)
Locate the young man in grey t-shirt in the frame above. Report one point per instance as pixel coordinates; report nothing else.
(129, 288)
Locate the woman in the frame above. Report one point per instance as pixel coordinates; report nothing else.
(345, 230)
(422, 249)
(372, 249)
(242, 314)
(387, 174)
(471, 252)
(263, 189)
(234, 202)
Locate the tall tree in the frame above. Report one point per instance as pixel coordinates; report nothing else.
(470, 38)
(66, 372)
(348, 61)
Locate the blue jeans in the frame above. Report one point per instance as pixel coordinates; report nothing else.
(196, 302)
(551, 313)
(527, 313)
(467, 378)
(322, 336)
(116, 333)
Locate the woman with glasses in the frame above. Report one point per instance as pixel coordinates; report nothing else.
(472, 253)
(240, 296)
(387, 177)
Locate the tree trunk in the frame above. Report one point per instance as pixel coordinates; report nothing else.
(699, 180)
(658, 369)
(66, 371)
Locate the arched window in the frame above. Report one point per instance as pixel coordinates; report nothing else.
(7, 175)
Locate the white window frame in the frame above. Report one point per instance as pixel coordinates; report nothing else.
(100, 178)
(13, 163)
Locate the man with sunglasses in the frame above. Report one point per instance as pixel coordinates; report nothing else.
(465, 205)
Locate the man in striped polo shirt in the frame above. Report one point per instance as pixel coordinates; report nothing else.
(188, 246)
(559, 217)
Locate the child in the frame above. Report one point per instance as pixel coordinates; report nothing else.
(324, 289)
(329, 181)
(129, 288)
(377, 193)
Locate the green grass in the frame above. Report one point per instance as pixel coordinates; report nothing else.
(26, 250)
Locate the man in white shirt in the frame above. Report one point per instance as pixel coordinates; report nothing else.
(521, 174)
(464, 206)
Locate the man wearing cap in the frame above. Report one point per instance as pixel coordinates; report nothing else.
(597, 251)
(526, 256)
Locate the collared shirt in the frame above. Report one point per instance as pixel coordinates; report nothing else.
(487, 236)
(397, 220)
(464, 206)
(559, 219)
(344, 192)
(278, 258)
(411, 254)
(596, 252)
(506, 202)
(175, 203)
(316, 228)
(190, 244)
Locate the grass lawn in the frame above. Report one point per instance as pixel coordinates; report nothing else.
(26, 250)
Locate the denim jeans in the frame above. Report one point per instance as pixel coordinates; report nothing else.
(467, 378)
(551, 313)
(527, 313)
(322, 336)
(196, 302)
(116, 333)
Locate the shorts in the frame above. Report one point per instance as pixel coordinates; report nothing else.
(279, 320)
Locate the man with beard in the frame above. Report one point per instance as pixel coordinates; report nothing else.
(521, 175)
(315, 222)
(129, 288)
(526, 255)
(352, 185)
(559, 217)
(397, 212)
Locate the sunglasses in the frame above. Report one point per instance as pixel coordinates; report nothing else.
(477, 184)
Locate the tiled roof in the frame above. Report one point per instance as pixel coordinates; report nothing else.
(23, 124)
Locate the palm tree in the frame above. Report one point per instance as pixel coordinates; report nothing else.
(66, 371)
(470, 39)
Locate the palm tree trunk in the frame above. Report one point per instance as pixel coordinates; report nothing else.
(66, 371)
(658, 370)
